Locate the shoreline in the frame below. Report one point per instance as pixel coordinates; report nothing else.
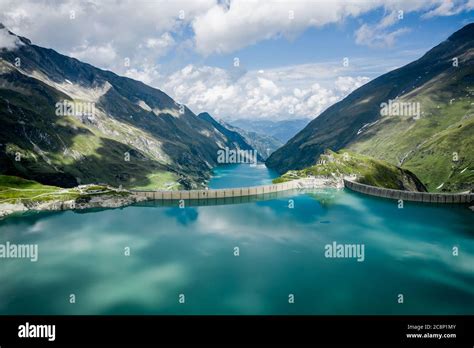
(115, 198)
(107, 200)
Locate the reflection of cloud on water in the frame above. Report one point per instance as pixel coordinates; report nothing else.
(141, 285)
(184, 216)
(400, 234)
(403, 237)
(410, 249)
(37, 227)
(357, 203)
(90, 263)
(251, 222)
(174, 250)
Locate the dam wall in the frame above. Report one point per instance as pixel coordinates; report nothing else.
(426, 197)
(220, 193)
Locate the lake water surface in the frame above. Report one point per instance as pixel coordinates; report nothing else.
(190, 251)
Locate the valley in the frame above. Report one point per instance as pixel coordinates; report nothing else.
(137, 135)
(67, 124)
(274, 161)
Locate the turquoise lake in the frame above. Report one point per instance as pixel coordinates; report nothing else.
(190, 251)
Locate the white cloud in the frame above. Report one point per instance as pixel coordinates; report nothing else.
(163, 43)
(375, 36)
(380, 35)
(104, 33)
(7, 40)
(228, 27)
(97, 55)
(150, 29)
(450, 8)
(147, 73)
(347, 84)
(289, 92)
(235, 24)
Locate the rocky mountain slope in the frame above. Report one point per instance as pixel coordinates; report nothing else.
(431, 133)
(65, 122)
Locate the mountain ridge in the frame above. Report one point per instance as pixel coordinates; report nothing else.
(138, 136)
(264, 144)
(281, 130)
(356, 122)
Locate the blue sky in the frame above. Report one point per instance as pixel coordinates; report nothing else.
(290, 52)
(336, 41)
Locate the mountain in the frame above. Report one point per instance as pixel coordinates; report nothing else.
(237, 140)
(264, 144)
(434, 139)
(365, 169)
(65, 122)
(281, 130)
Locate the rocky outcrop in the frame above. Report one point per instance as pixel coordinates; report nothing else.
(87, 202)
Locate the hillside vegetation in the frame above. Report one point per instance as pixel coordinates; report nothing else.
(367, 170)
(15, 190)
(436, 144)
(119, 131)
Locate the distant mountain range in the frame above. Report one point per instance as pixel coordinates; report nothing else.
(243, 139)
(281, 130)
(264, 144)
(419, 117)
(65, 122)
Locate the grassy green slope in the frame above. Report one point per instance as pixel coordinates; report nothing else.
(426, 146)
(369, 171)
(169, 146)
(451, 153)
(14, 190)
(59, 150)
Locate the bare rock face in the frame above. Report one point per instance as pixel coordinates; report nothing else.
(8, 209)
(106, 201)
